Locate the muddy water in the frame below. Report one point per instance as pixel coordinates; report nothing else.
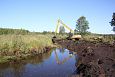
(56, 63)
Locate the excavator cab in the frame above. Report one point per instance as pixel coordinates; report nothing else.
(69, 36)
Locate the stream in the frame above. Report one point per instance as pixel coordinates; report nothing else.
(59, 62)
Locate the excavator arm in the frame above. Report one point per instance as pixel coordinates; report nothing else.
(58, 24)
(71, 36)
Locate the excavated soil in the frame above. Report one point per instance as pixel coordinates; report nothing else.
(95, 59)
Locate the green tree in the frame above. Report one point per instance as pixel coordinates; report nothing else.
(113, 22)
(82, 25)
(61, 30)
(45, 32)
(114, 29)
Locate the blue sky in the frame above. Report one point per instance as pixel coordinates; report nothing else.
(41, 15)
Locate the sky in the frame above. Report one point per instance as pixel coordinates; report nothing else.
(42, 15)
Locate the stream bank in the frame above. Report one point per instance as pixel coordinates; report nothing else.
(17, 56)
(96, 59)
(16, 47)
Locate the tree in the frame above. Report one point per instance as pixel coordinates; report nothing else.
(45, 32)
(114, 29)
(82, 25)
(61, 30)
(113, 22)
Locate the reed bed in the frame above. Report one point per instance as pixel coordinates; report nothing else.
(17, 46)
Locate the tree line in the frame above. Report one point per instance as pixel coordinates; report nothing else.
(13, 31)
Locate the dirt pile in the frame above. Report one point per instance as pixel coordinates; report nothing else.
(95, 59)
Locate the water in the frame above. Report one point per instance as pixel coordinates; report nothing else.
(56, 63)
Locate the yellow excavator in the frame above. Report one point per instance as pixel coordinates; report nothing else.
(71, 33)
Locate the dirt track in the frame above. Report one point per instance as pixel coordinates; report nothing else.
(96, 59)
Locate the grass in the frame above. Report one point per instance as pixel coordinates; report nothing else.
(22, 45)
(100, 38)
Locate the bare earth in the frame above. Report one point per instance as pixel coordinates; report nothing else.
(96, 59)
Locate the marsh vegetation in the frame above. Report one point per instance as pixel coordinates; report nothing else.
(14, 46)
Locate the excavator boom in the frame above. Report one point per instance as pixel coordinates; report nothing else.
(76, 37)
(58, 24)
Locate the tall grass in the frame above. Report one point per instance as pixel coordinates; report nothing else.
(21, 45)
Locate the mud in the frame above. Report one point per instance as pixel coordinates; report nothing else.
(96, 59)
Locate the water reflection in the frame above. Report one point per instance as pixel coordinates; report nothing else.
(65, 58)
(56, 63)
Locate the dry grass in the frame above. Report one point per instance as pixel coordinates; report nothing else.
(102, 38)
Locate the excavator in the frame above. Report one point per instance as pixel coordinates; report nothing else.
(71, 33)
